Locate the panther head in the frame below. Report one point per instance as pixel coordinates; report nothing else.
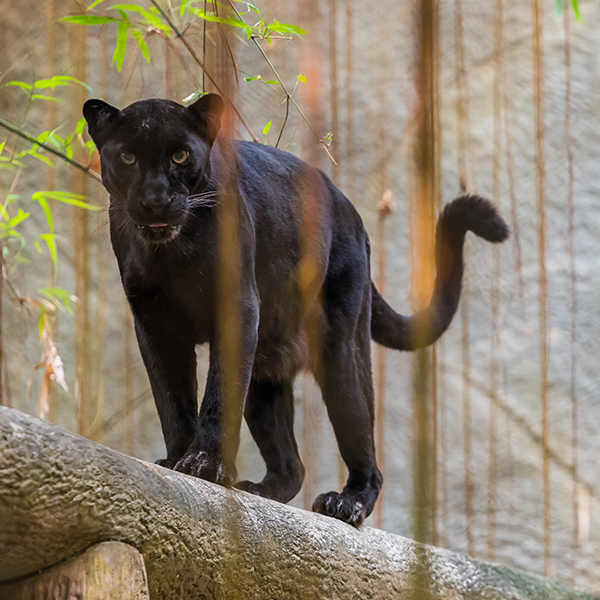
(155, 154)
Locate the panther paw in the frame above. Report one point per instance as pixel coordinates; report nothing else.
(206, 466)
(341, 506)
(168, 463)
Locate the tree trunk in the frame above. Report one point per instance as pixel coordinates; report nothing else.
(61, 494)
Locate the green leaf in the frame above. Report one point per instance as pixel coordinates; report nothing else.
(15, 234)
(234, 22)
(80, 126)
(42, 321)
(88, 20)
(50, 239)
(266, 128)
(41, 97)
(94, 4)
(58, 80)
(272, 82)
(141, 43)
(60, 297)
(119, 53)
(182, 7)
(302, 78)
(68, 198)
(40, 198)
(575, 4)
(193, 96)
(19, 218)
(287, 28)
(24, 86)
(149, 16)
(40, 157)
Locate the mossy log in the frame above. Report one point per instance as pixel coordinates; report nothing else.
(60, 494)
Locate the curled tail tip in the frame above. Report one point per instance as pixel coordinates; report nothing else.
(478, 215)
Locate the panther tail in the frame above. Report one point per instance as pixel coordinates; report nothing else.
(467, 213)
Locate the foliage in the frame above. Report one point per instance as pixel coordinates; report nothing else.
(133, 21)
(15, 211)
(574, 4)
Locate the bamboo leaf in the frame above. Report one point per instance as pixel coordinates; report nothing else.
(88, 20)
(286, 28)
(40, 198)
(41, 97)
(50, 239)
(19, 218)
(94, 4)
(24, 86)
(80, 126)
(68, 198)
(119, 53)
(60, 297)
(148, 15)
(40, 157)
(223, 20)
(267, 128)
(142, 44)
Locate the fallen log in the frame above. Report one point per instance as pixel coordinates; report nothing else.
(60, 494)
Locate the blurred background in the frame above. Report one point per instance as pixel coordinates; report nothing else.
(488, 441)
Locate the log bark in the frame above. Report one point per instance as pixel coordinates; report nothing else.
(106, 571)
(61, 494)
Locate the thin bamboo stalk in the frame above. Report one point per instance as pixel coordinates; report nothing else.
(438, 201)
(51, 123)
(334, 85)
(574, 297)
(543, 300)
(422, 228)
(80, 185)
(492, 500)
(463, 133)
(385, 207)
(350, 137)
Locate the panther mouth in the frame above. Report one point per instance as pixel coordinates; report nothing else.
(159, 232)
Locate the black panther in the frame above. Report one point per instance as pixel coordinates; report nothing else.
(166, 167)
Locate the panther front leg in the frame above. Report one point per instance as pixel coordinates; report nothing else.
(212, 453)
(170, 359)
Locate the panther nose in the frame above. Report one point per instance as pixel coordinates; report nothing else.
(156, 203)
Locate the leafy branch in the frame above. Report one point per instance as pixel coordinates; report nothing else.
(38, 143)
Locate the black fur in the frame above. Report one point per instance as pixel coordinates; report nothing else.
(164, 231)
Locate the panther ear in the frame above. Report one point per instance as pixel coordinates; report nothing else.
(207, 112)
(98, 114)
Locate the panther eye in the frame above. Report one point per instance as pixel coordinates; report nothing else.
(180, 156)
(127, 158)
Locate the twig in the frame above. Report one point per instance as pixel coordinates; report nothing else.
(18, 131)
(284, 87)
(201, 65)
(287, 112)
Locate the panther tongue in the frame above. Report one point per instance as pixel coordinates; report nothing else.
(158, 225)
